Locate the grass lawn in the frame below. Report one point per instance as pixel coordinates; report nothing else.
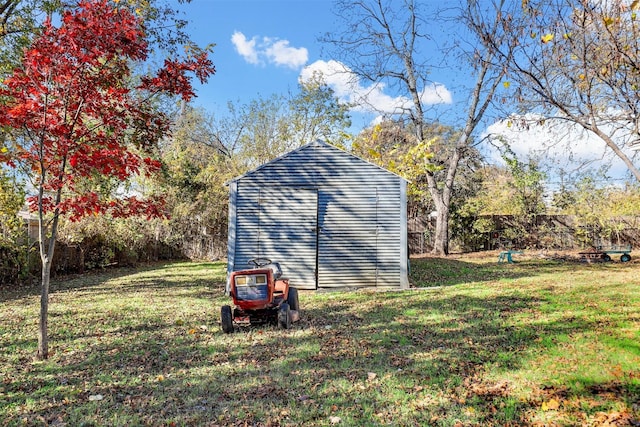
(538, 342)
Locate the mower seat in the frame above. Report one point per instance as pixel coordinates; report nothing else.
(275, 268)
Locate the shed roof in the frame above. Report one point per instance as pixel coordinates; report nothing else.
(313, 144)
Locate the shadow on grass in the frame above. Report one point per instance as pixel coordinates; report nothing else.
(435, 271)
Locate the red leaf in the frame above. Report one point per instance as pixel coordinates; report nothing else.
(71, 94)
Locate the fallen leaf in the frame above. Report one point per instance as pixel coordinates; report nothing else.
(550, 405)
(335, 420)
(371, 376)
(95, 397)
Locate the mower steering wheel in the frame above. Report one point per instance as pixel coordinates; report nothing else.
(259, 262)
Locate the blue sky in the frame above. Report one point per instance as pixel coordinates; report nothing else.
(264, 47)
(261, 46)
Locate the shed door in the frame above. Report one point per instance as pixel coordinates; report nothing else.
(347, 238)
(287, 232)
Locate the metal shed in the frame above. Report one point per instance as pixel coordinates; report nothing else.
(330, 219)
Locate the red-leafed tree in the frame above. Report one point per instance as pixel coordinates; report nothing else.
(74, 116)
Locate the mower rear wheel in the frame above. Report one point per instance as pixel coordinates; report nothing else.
(292, 299)
(226, 319)
(284, 316)
(625, 257)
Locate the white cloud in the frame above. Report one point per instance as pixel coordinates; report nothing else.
(246, 48)
(269, 50)
(437, 93)
(334, 74)
(370, 99)
(281, 53)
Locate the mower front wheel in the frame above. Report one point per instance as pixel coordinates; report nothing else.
(226, 318)
(284, 316)
(292, 299)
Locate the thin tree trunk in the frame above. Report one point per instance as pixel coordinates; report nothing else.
(47, 247)
(43, 335)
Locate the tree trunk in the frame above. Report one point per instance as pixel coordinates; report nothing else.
(47, 247)
(441, 237)
(442, 199)
(43, 336)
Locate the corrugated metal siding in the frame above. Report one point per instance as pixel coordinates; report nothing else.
(357, 209)
(278, 223)
(347, 240)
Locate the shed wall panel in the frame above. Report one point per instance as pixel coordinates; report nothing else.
(279, 224)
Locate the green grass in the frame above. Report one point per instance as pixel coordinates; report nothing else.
(538, 342)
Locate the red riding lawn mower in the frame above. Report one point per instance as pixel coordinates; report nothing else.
(260, 295)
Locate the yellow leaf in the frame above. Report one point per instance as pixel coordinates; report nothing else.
(547, 38)
(3, 150)
(582, 76)
(506, 85)
(160, 378)
(635, 5)
(608, 21)
(509, 124)
(550, 405)
(534, 35)
(192, 331)
(567, 36)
